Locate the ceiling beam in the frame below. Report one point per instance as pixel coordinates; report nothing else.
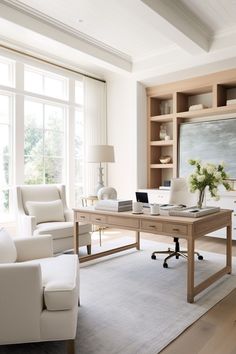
(180, 25)
(63, 35)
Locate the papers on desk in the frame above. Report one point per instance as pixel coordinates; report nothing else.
(164, 209)
(194, 212)
(114, 205)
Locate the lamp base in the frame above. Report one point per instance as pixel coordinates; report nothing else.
(98, 187)
(100, 179)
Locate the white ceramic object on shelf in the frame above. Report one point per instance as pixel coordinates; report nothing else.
(229, 102)
(165, 159)
(196, 107)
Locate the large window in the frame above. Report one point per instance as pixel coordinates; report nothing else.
(45, 141)
(43, 135)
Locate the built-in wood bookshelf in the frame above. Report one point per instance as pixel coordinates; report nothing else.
(169, 105)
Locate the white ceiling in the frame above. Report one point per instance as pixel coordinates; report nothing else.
(147, 39)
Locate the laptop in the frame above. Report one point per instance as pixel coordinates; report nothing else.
(143, 198)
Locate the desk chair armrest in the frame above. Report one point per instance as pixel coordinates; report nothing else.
(34, 247)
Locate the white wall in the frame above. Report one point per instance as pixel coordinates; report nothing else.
(126, 129)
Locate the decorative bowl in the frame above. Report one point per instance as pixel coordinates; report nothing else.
(165, 159)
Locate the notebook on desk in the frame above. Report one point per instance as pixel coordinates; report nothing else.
(143, 198)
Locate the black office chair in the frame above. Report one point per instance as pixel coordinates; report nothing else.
(179, 195)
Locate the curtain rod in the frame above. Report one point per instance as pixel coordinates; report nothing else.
(49, 62)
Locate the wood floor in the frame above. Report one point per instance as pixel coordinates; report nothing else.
(214, 332)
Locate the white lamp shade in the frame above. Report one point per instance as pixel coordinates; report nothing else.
(101, 153)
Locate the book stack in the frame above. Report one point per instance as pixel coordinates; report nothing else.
(194, 212)
(114, 205)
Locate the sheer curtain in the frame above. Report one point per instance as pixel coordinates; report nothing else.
(95, 127)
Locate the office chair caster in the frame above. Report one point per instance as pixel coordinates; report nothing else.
(153, 256)
(165, 265)
(200, 258)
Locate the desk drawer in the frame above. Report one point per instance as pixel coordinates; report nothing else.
(82, 217)
(124, 222)
(149, 225)
(98, 219)
(175, 229)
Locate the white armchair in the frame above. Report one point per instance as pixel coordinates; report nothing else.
(39, 293)
(42, 209)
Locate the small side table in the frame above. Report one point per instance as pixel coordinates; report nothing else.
(91, 200)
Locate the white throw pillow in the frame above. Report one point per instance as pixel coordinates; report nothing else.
(7, 247)
(46, 211)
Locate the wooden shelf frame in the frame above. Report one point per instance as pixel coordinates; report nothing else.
(218, 86)
(162, 143)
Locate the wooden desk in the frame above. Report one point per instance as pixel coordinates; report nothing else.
(182, 227)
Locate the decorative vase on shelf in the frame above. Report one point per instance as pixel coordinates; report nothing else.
(163, 132)
(201, 197)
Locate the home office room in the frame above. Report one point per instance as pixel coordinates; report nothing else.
(118, 176)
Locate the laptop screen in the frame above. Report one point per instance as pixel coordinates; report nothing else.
(142, 197)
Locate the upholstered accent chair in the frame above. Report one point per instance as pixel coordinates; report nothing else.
(39, 293)
(42, 209)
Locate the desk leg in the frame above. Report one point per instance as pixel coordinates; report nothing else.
(190, 274)
(229, 248)
(76, 237)
(137, 240)
(100, 236)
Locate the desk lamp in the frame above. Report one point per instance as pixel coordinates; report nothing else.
(100, 154)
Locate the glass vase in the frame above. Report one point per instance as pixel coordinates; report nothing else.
(163, 132)
(201, 197)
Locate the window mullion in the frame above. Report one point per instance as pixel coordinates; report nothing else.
(18, 127)
(44, 170)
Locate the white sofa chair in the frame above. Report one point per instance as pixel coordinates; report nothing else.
(39, 293)
(42, 209)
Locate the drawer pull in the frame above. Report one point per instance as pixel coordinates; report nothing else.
(97, 219)
(175, 229)
(82, 217)
(152, 226)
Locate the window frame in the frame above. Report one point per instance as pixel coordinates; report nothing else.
(47, 74)
(9, 186)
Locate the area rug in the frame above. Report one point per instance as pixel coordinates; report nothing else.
(130, 304)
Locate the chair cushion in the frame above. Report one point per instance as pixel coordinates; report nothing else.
(39, 193)
(60, 279)
(46, 211)
(8, 252)
(60, 229)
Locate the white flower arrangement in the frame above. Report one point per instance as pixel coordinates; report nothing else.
(207, 175)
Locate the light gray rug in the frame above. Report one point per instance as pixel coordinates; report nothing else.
(130, 304)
